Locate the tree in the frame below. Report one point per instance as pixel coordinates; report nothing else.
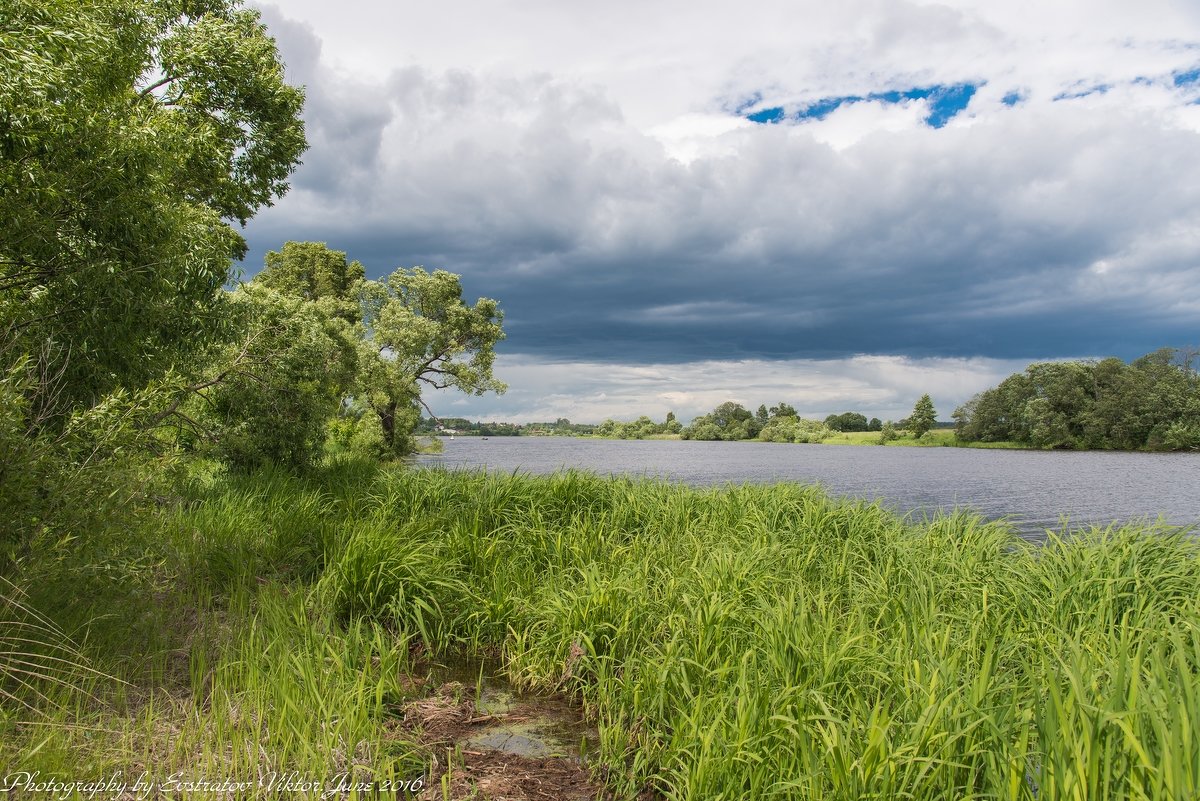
(282, 383)
(314, 272)
(875, 425)
(846, 421)
(729, 421)
(418, 330)
(133, 135)
(1151, 403)
(922, 418)
(782, 410)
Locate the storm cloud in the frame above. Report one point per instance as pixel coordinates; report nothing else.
(1048, 209)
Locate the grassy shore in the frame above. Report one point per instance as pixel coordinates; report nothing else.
(746, 642)
(937, 438)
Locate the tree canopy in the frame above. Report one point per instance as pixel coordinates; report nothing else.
(408, 330)
(923, 417)
(134, 135)
(418, 330)
(1152, 403)
(847, 421)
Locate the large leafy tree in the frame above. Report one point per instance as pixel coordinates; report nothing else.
(279, 384)
(134, 136)
(413, 330)
(419, 332)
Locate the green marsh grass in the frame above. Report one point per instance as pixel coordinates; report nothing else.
(738, 642)
(766, 641)
(936, 438)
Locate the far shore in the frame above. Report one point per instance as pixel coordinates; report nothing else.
(937, 438)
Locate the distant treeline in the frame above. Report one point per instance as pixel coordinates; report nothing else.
(562, 427)
(781, 423)
(729, 421)
(1152, 403)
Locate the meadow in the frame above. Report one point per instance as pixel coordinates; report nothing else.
(936, 438)
(740, 642)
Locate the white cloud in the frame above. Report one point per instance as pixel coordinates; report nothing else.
(878, 386)
(660, 61)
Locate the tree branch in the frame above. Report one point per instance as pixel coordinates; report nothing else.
(158, 85)
(421, 401)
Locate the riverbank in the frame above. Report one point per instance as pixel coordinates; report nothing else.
(937, 438)
(751, 642)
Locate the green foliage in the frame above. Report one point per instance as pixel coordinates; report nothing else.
(729, 421)
(847, 421)
(320, 340)
(762, 415)
(58, 483)
(39, 662)
(782, 410)
(789, 428)
(922, 418)
(1151, 404)
(310, 270)
(132, 134)
(281, 383)
(641, 428)
(887, 433)
(419, 331)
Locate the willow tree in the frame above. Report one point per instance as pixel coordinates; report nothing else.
(412, 328)
(135, 137)
(419, 333)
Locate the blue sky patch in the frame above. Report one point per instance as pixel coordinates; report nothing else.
(1188, 78)
(767, 115)
(1012, 98)
(945, 101)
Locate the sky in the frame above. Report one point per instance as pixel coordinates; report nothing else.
(842, 206)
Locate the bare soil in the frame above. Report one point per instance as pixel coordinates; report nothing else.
(499, 748)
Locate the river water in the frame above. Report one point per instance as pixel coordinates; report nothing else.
(1035, 490)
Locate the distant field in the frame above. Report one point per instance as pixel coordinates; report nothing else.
(941, 437)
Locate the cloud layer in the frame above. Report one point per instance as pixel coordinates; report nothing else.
(626, 214)
(879, 386)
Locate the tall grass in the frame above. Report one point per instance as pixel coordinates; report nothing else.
(740, 642)
(761, 642)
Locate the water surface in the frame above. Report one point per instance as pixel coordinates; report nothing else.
(1036, 490)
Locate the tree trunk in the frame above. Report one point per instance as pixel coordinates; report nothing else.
(387, 419)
